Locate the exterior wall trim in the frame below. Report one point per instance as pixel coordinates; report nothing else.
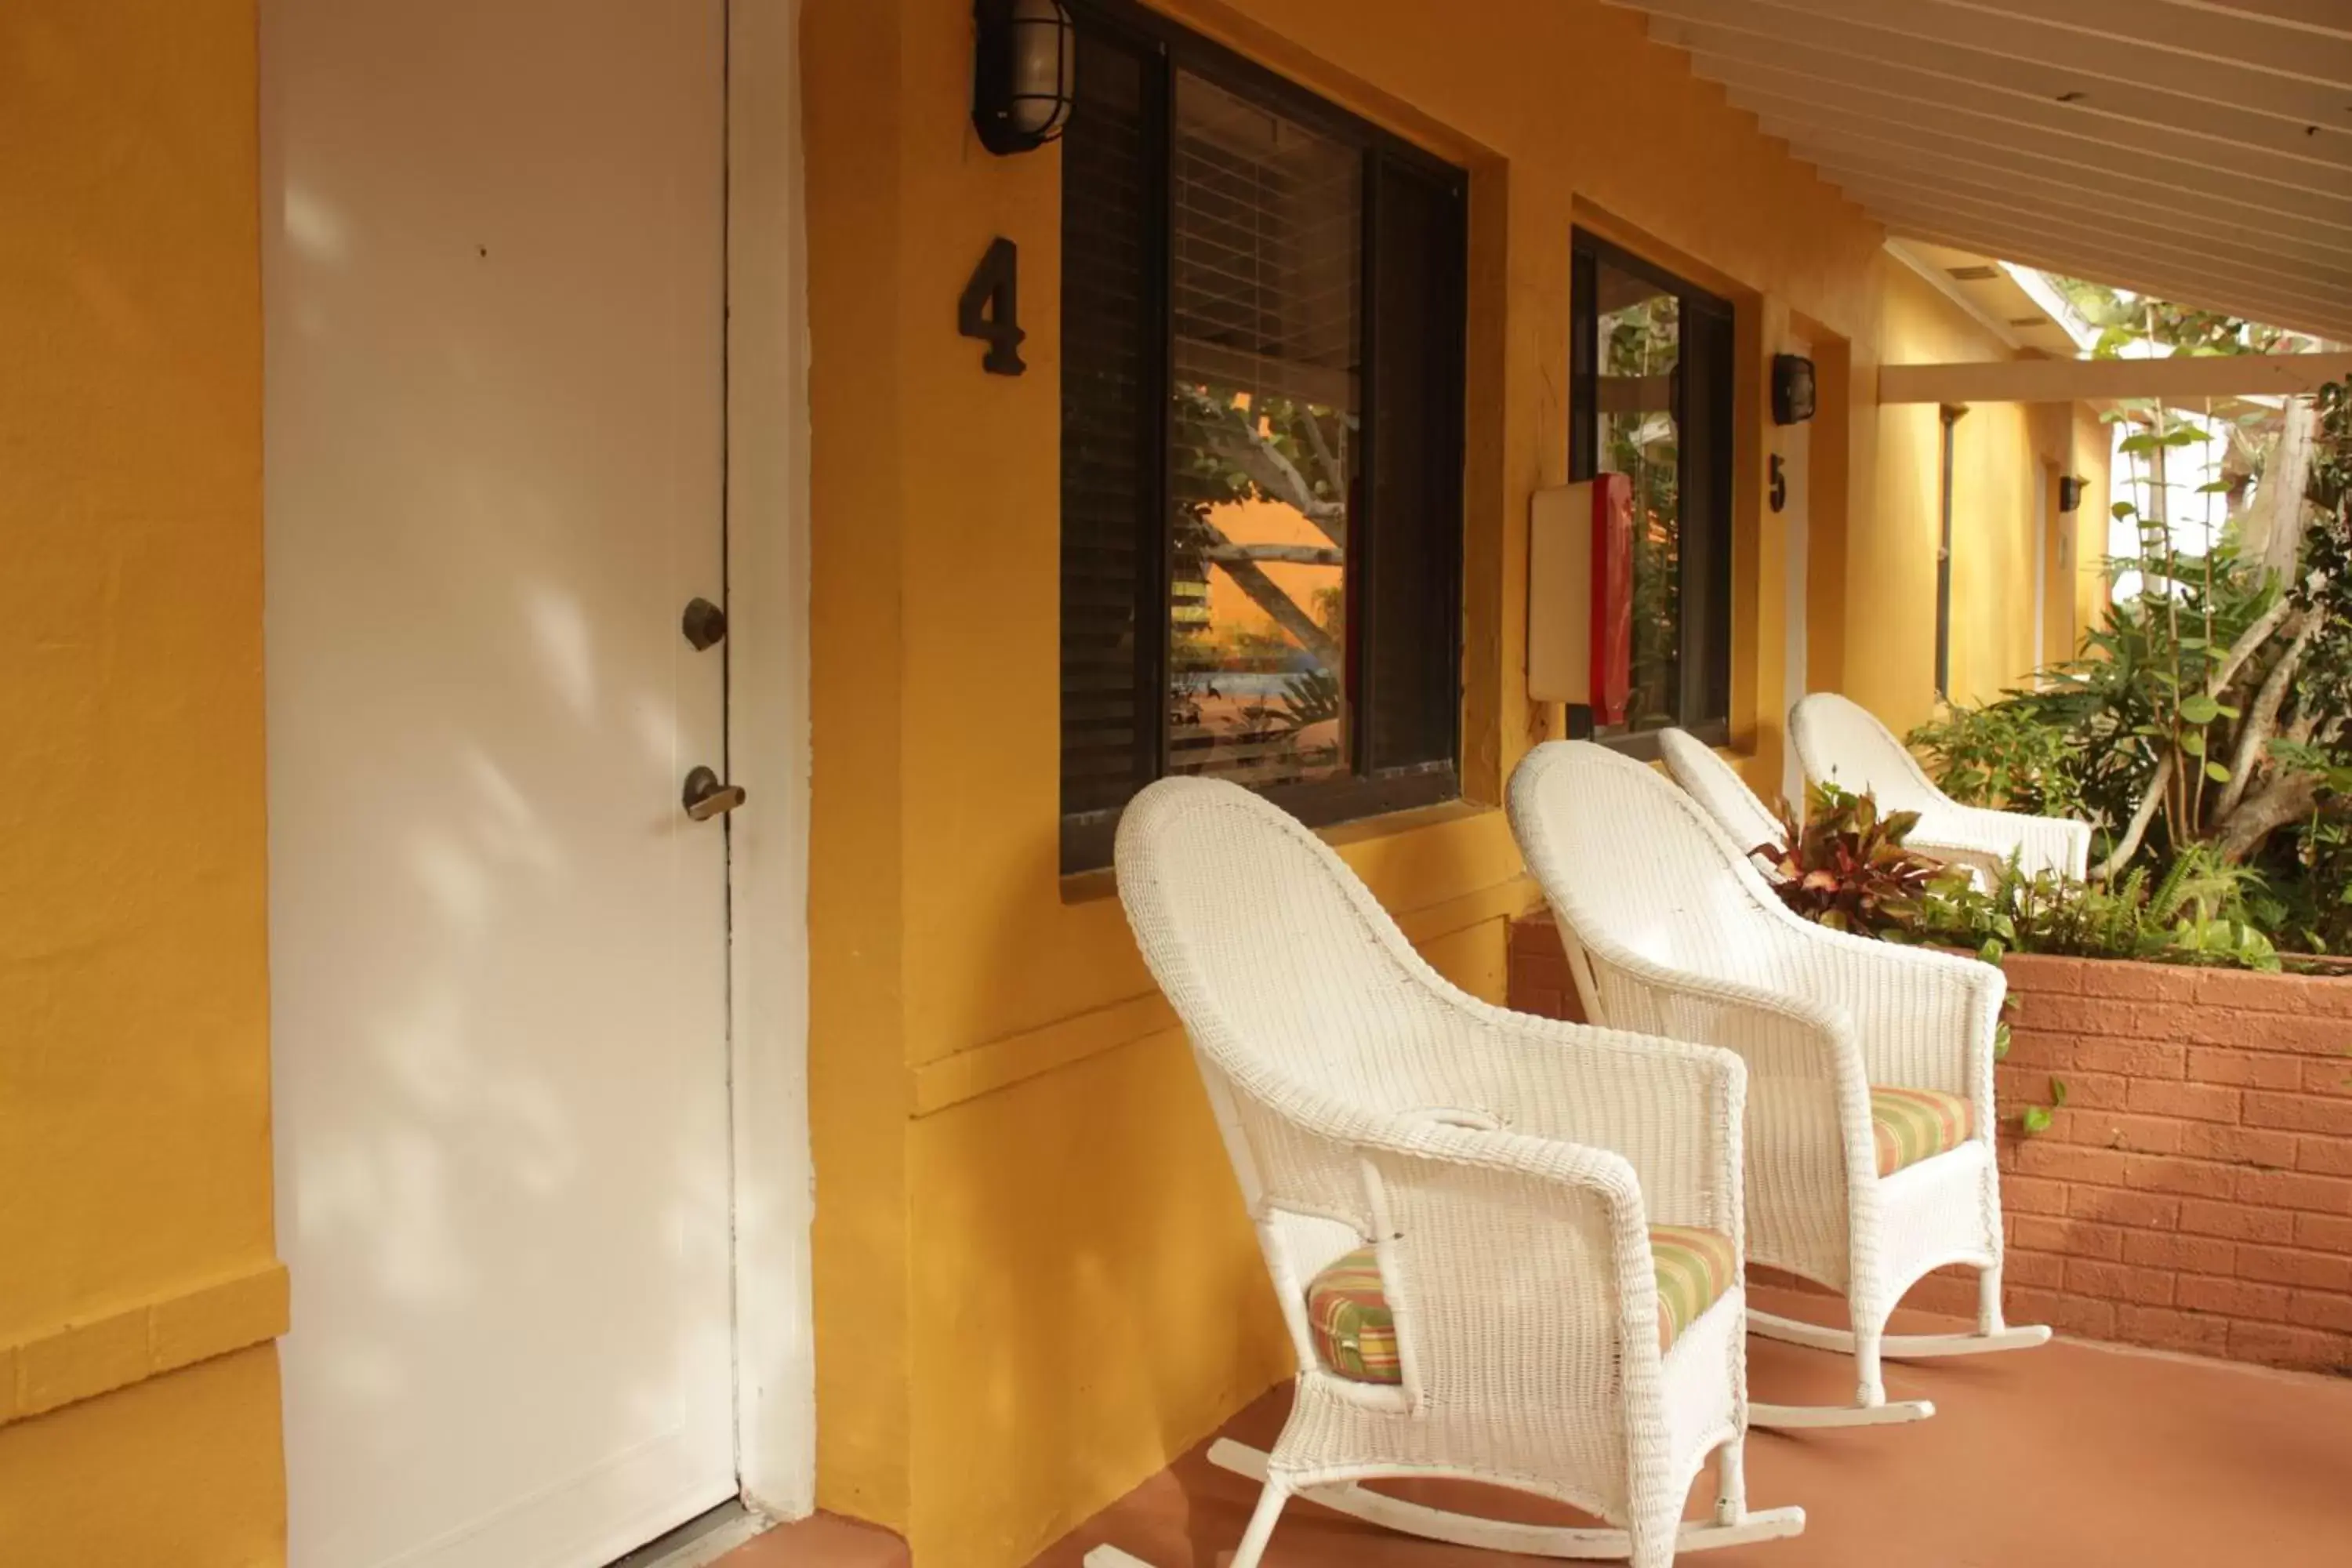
(78, 1361)
(1001, 1064)
(768, 575)
(2187, 378)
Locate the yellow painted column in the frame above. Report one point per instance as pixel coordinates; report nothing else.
(862, 427)
(140, 1295)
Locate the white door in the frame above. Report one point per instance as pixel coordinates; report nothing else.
(494, 276)
(1796, 443)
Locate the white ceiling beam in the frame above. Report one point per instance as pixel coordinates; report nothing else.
(2101, 36)
(1849, 58)
(2141, 278)
(2048, 50)
(2134, 273)
(2196, 150)
(2122, 266)
(1830, 149)
(1907, 215)
(2224, 31)
(2110, 380)
(1782, 102)
(2329, 284)
(1850, 170)
(2328, 18)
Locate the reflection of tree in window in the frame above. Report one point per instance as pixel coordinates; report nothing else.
(1650, 397)
(1640, 344)
(1261, 495)
(1263, 465)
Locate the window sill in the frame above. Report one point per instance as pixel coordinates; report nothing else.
(1411, 819)
(1089, 886)
(1642, 744)
(1102, 882)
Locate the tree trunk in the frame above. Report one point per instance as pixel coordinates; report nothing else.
(2128, 845)
(2271, 529)
(2256, 731)
(2289, 798)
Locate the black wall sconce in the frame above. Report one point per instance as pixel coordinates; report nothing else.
(2070, 492)
(1025, 73)
(1792, 389)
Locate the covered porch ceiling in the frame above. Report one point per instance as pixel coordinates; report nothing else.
(2196, 149)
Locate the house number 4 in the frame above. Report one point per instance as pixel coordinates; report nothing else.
(991, 308)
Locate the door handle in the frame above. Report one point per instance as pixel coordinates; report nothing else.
(704, 797)
(704, 624)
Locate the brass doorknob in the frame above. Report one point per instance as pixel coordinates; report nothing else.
(704, 797)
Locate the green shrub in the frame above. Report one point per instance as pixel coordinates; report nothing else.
(2008, 754)
(1846, 866)
(2206, 724)
(2198, 911)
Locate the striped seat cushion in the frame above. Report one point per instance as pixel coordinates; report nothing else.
(1355, 1334)
(1911, 1124)
(1695, 1267)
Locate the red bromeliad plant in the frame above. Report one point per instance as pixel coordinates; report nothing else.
(1847, 866)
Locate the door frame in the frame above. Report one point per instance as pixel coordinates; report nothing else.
(768, 742)
(766, 530)
(766, 555)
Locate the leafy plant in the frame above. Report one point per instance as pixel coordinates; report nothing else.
(2003, 755)
(2198, 913)
(2311, 910)
(1846, 866)
(1640, 341)
(2208, 721)
(1310, 697)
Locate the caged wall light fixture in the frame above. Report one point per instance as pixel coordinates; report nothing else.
(1025, 73)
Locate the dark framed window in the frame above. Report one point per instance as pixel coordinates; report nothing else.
(1947, 446)
(1651, 398)
(1263, 305)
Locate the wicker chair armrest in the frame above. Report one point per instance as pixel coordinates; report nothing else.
(1502, 1248)
(1922, 1018)
(1813, 1038)
(1673, 1109)
(1800, 1050)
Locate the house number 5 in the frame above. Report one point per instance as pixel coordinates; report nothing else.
(1780, 483)
(991, 308)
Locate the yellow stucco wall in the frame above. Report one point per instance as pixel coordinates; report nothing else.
(2004, 455)
(134, 1145)
(1013, 1160)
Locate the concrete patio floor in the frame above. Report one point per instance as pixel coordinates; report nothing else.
(2075, 1454)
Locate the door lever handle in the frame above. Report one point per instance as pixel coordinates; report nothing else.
(704, 797)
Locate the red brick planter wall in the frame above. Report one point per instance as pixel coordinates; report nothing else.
(2195, 1191)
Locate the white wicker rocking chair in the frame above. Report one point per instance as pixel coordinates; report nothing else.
(1718, 787)
(1870, 1154)
(1840, 742)
(1494, 1177)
